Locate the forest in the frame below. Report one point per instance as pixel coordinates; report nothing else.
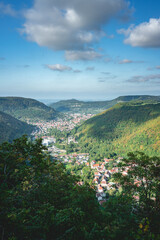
(23, 108)
(40, 199)
(132, 126)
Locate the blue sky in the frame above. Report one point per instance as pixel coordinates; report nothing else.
(84, 49)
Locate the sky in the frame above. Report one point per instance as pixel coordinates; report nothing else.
(83, 49)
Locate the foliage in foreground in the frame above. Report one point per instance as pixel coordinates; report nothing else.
(39, 200)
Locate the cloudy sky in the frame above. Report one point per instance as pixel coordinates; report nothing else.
(84, 49)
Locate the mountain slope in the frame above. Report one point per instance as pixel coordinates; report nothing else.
(124, 127)
(23, 108)
(11, 128)
(75, 106)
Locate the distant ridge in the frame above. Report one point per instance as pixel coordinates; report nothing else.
(94, 107)
(12, 128)
(23, 108)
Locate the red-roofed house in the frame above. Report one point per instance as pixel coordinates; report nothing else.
(100, 189)
(95, 166)
(103, 183)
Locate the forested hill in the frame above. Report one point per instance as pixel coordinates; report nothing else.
(94, 107)
(23, 108)
(122, 128)
(11, 128)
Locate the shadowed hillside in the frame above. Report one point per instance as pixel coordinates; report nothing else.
(23, 108)
(11, 128)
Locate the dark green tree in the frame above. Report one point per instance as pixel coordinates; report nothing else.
(142, 184)
(39, 200)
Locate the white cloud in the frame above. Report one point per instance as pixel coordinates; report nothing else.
(82, 55)
(70, 24)
(143, 79)
(6, 9)
(145, 35)
(58, 67)
(124, 61)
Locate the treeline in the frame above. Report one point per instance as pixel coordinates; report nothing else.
(94, 107)
(40, 199)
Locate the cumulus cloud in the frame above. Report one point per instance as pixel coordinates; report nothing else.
(7, 9)
(143, 79)
(145, 35)
(82, 55)
(58, 67)
(70, 24)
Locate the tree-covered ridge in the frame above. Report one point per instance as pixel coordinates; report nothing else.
(23, 108)
(40, 200)
(11, 128)
(95, 107)
(127, 126)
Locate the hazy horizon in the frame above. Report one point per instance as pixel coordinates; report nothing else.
(53, 100)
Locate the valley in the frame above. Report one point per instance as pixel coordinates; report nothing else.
(74, 158)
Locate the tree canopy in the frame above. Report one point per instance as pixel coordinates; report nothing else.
(40, 200)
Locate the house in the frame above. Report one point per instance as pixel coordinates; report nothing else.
(97, 174)
(107, 160)
(95, 166)
(100, 198)
(80, 183)
(96, 180)
(100, 189)
(92, 163)
(124, 173)
(103, 183)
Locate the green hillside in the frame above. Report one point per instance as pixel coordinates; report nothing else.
(11, 128)
(75, 106)
(23, 108)
(122, 128)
